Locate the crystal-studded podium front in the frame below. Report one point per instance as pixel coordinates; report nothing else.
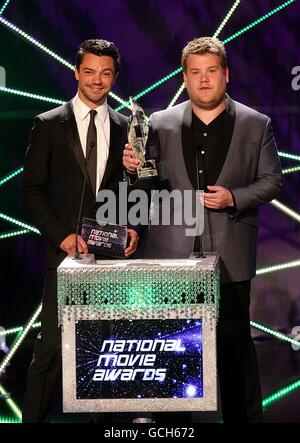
(139, 290)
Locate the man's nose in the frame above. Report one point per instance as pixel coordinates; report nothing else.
(97, 78)
(204, 77)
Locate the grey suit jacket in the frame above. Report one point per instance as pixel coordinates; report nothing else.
(251, 171)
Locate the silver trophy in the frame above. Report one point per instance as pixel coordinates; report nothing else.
(138, 128)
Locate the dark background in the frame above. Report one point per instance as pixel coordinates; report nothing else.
(150, 35)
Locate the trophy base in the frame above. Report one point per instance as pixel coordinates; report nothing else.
(147, 170)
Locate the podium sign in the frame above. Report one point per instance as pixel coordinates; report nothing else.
(139, 335)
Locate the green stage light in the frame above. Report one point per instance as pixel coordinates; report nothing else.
(289, 156)
(225, 20)
(4, 419)
(49, 99)
(281, 267)
(259, 20)
(33, 96)
(10, 402)
(151, 87)
(276, 334)
(267, 401)
(176, 96)
(11, 234)
(10, 331)
(19, 223)
(232, 37)
(20, 339)
(4, 6)
(286, 210)
(11, 175)
(290, 170)
(227, 17)
(35, 42)
(32, 40)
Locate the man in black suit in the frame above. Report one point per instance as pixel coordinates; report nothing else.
(60, 143)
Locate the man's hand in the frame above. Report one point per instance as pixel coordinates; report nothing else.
(219, 198)
(68, 245)
(130, 162)
(134, 238)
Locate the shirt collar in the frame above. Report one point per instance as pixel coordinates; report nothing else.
(82, 110)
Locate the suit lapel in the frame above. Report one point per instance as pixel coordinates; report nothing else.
(74, 140)
(186, 129)
(230, 157)
(115, 148)
(187, 140)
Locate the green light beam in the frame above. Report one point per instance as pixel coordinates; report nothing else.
(35, 42)
(20, 339)
(280, 267)
(4, 419)
(4, 6)
(151, 87)
(11, 175)
(32, 96)
(259, 20)
(48, 51)
(10, 331)
(267, 401)
(232, 37)
(290, 170)
(223, 23)
(10, 402)
(276, 334)
(19, 223)
(227, 17)
(11, 234)
(286, 210)
(289, 156)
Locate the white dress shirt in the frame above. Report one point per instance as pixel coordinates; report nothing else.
(82, 117)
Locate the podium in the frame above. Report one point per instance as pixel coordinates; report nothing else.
(139, 335)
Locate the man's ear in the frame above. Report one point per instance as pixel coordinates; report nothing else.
(227, 75)
(116, 76)
(184, 78)
(76, 73)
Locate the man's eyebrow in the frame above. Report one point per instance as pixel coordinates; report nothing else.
(209, 67)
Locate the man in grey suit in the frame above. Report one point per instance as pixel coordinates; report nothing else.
(214, 143)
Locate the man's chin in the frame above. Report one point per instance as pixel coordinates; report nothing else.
(96, 99)
(208, 104)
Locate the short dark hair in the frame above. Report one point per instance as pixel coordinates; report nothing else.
(98, 47)
(204, 45)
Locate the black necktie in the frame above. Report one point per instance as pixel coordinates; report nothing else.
(91, 150)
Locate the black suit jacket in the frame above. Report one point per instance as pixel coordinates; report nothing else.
(54, 174)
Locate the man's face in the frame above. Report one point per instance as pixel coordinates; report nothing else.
(205, 80)
(96, 76)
